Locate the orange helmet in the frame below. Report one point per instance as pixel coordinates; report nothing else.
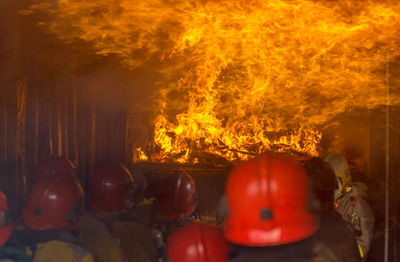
(267, 201)
(53, 166)
(177, 198)
(6, 225)
(197, 243)
(111, 188)
(54, 202)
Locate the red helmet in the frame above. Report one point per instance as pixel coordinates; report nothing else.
(6, 225)
(53, 166)
(54, 202)
(268, 201)
(197, 243)
(111, 188)
(177, 198)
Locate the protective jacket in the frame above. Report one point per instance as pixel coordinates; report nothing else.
(335, 234)
(308, 250)
(162, 228)
(44, 246)
(61, 251)
(356, 211)
(96, 238)
(15, 250)
(117, 238)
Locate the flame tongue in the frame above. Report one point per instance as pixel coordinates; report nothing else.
(242, 77)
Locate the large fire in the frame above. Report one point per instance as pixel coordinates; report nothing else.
(242, 77)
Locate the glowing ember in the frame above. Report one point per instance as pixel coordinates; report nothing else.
(242, 77)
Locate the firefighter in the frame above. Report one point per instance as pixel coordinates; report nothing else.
(11, 249)
(8, 252)
(176, 203)
(351, 203)
(333, 231)
(271, 213)
(50, 215)
(177, 200)
(6, 224)
(173, 206)
(111, 231)
(197, 242)
(53, 166)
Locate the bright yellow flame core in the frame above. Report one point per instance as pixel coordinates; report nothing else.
(241, 77)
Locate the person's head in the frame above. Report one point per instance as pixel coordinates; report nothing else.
(340, 166)
(53, 166)
(54, 203)
(111, 188)
(6, 224)
(323, 179)
(269, 203)
(197, 243)
(176, 198)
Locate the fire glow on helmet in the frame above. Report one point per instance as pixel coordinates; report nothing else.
(242, 77)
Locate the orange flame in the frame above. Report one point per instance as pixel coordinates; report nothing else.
(141, 154)
(242, 77)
